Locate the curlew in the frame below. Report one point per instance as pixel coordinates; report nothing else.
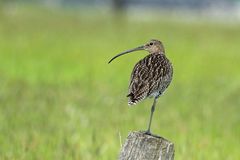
(150, 77)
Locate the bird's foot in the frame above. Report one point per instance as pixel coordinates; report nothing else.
(148, 132)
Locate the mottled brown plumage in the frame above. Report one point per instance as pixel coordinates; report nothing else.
(150, 76)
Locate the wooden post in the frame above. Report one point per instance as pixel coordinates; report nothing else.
(140, 146)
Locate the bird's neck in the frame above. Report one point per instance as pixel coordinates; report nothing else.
(158, 52)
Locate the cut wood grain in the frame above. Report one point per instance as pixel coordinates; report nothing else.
(140, 146)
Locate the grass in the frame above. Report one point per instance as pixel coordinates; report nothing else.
(59, 99)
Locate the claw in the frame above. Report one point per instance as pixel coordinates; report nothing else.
(148, 133)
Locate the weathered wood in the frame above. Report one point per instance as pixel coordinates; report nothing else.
(140, 146)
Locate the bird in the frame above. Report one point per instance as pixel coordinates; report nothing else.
(150, 77)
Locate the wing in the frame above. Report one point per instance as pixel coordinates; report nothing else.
(146, 77)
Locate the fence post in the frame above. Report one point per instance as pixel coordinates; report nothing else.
(140, 146)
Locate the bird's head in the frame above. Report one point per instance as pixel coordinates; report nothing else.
(153, 46)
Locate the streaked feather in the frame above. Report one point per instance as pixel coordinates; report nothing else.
(150, 77)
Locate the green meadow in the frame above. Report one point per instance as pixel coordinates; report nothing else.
(59, 99)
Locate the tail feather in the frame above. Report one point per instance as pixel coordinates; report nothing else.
(133, 100)
(130, 95)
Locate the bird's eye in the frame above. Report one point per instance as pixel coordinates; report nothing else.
(151, 43)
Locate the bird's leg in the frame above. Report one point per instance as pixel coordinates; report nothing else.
(150, 121)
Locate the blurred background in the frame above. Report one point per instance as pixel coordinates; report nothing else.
(59, 99)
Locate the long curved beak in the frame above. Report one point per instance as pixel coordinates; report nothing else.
(128, 51)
